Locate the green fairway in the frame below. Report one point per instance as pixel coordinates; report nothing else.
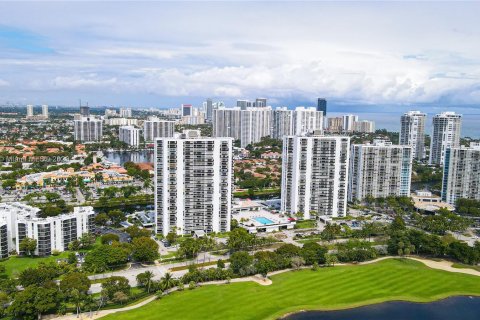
(326, 288)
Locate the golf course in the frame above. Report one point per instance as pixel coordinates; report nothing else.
(324, 289)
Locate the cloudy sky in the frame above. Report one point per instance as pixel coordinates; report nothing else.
(162, 54)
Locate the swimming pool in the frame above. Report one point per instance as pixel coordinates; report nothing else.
(263, 220)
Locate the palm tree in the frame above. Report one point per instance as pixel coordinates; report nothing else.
(167, 281)
(148, 279)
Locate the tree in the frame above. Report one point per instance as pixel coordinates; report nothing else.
(189, 248)
(313, 252)
(136, 232)
(75, 281)
(239, 239)
(115, 284)
(109, 238)
(240, 260)
(116, 216)
(28, 246)
(288, 250)
(297, 262)
(87, 240)
(331, 231)
(34, 301)
(330, 259)
(144, 279)
(171, 237)
(72, 258)
(144, 249)
(105, 257)
(101, 219)
(119, 297)
(220, 264)
(167, 281)
(38, 276)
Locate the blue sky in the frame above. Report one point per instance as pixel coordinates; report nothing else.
(369, 55)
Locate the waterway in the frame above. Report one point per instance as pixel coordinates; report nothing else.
(462, 308)
(121, 157)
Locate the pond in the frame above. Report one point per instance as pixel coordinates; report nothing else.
(464, 308)
(121, 157)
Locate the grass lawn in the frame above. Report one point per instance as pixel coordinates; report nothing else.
(326, 288)
(465, 266)
(305, 224)
(16, 264)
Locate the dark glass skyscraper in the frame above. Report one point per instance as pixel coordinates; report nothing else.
(322, 106)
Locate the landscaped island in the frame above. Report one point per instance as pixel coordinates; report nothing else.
(327, 288)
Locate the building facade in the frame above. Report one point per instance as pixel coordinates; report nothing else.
(19, 221)
(88, 129)
(461, 174)
(379, 170)
(445, 134)
(412, 132)
(249, 125)
(193, 184)
(283, 123)
(348, 122)
(335, 125)
(322, 106)
(156, 128)
(125, 112)
(364, 126)
(130, 135)
(315, 175)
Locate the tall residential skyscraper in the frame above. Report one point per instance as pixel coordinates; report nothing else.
(335, 124)
(445, 134)
(307, 120)
(88, 129)
(461, 173)
(130, 135)
(348, 122)
(322, 106)
(412, 132)
(209, 110)
(125, 112)
(29, 110)
(282, 123)
(315, 175)
(249, 125)
(156, 128)
(193, 183)
(379, 170)
(364, 126)
(45, 111)
(84, 111)
(187, 110)
(244, 104)
(260, 102)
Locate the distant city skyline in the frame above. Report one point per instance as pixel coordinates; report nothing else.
(164, 54)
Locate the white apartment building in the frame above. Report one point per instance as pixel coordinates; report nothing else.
(156, 128)
(249, 125)
(193, 183)
(348, 122)
(130, 135)
(335, 124)
(121, 122)
(315, 175)
(379, 170)
(29, 110)
(461, 174)
(445, 134)
(88, 129)
(18, 221)
(125, 112)
(283, 123)
(412, 132)
(110, 113)
(364, 126)
(296, 122)
(45, 111)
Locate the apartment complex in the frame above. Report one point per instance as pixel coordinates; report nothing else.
(296, 122)
(349, 122)
(248, 126)
(335, 124)
(130, 135)
(364, 126)
(156, 128)
(19, 221)
(125, 112)
(315, 175)
(445, 134)
(412, 132)
(461, 173)
(88, 129)
(193, 183)
(379, 170)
